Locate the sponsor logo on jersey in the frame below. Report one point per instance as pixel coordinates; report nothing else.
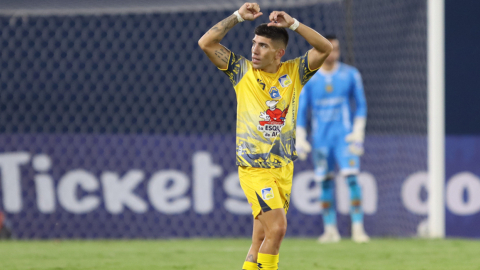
(284, 80)
(274, 119)
(267, 193)
(274, 93)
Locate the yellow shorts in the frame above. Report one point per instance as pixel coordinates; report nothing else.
(266, 189)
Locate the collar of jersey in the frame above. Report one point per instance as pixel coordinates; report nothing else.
(270, 76)
(331, 72)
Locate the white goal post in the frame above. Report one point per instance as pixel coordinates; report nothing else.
(436, 117)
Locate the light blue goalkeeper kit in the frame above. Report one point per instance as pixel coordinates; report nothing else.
(329, 96)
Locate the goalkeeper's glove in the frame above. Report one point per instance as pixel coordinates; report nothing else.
(357, 136)
(302, 145)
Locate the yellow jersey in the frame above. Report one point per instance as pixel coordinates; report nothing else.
(267, 106)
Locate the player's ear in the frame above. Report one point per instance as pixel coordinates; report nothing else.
(280, 53)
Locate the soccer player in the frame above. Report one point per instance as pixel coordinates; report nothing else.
(335, 139)
(267, 93)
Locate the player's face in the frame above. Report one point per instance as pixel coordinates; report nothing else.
(264, 52)
(335, 54)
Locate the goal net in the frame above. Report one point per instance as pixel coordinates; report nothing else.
(114, 124)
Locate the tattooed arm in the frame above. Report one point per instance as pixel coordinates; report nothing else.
(210, 41)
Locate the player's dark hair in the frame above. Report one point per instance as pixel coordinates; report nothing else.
(330, 36)
(273, 33)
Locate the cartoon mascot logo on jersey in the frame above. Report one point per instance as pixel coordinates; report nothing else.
(274, 119)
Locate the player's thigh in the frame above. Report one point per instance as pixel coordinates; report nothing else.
(323, 162)
(260, 188)
(284, 183)
(347, 162)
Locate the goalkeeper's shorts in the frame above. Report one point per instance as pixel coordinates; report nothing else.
(267, 189)
(326, 157)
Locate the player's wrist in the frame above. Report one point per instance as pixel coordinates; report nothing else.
(294, 25)
(239, 17)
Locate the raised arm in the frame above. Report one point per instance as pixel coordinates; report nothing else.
(321, 46)
(210, 41)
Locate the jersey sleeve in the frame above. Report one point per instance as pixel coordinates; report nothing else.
(303, 105)
(236, 68)
(304, 70)
(359, 95)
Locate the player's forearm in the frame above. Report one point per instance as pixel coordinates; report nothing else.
(216, 33)
(361, 110)
(317, 41)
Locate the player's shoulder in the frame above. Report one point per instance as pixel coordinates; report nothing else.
(239, 58)
(348, 68)
(291, 62)
(290, 66)
(240, 62)
(297, 60)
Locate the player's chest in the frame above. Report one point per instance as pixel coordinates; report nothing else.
(272, 87)
(331, 86)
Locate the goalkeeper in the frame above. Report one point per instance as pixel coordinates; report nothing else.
(335, 139)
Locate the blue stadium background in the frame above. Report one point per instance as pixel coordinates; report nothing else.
(117, 94)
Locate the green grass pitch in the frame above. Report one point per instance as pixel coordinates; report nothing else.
(228, 254)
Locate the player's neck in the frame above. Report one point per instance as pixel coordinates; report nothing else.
(272, 68)
(329, 66)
